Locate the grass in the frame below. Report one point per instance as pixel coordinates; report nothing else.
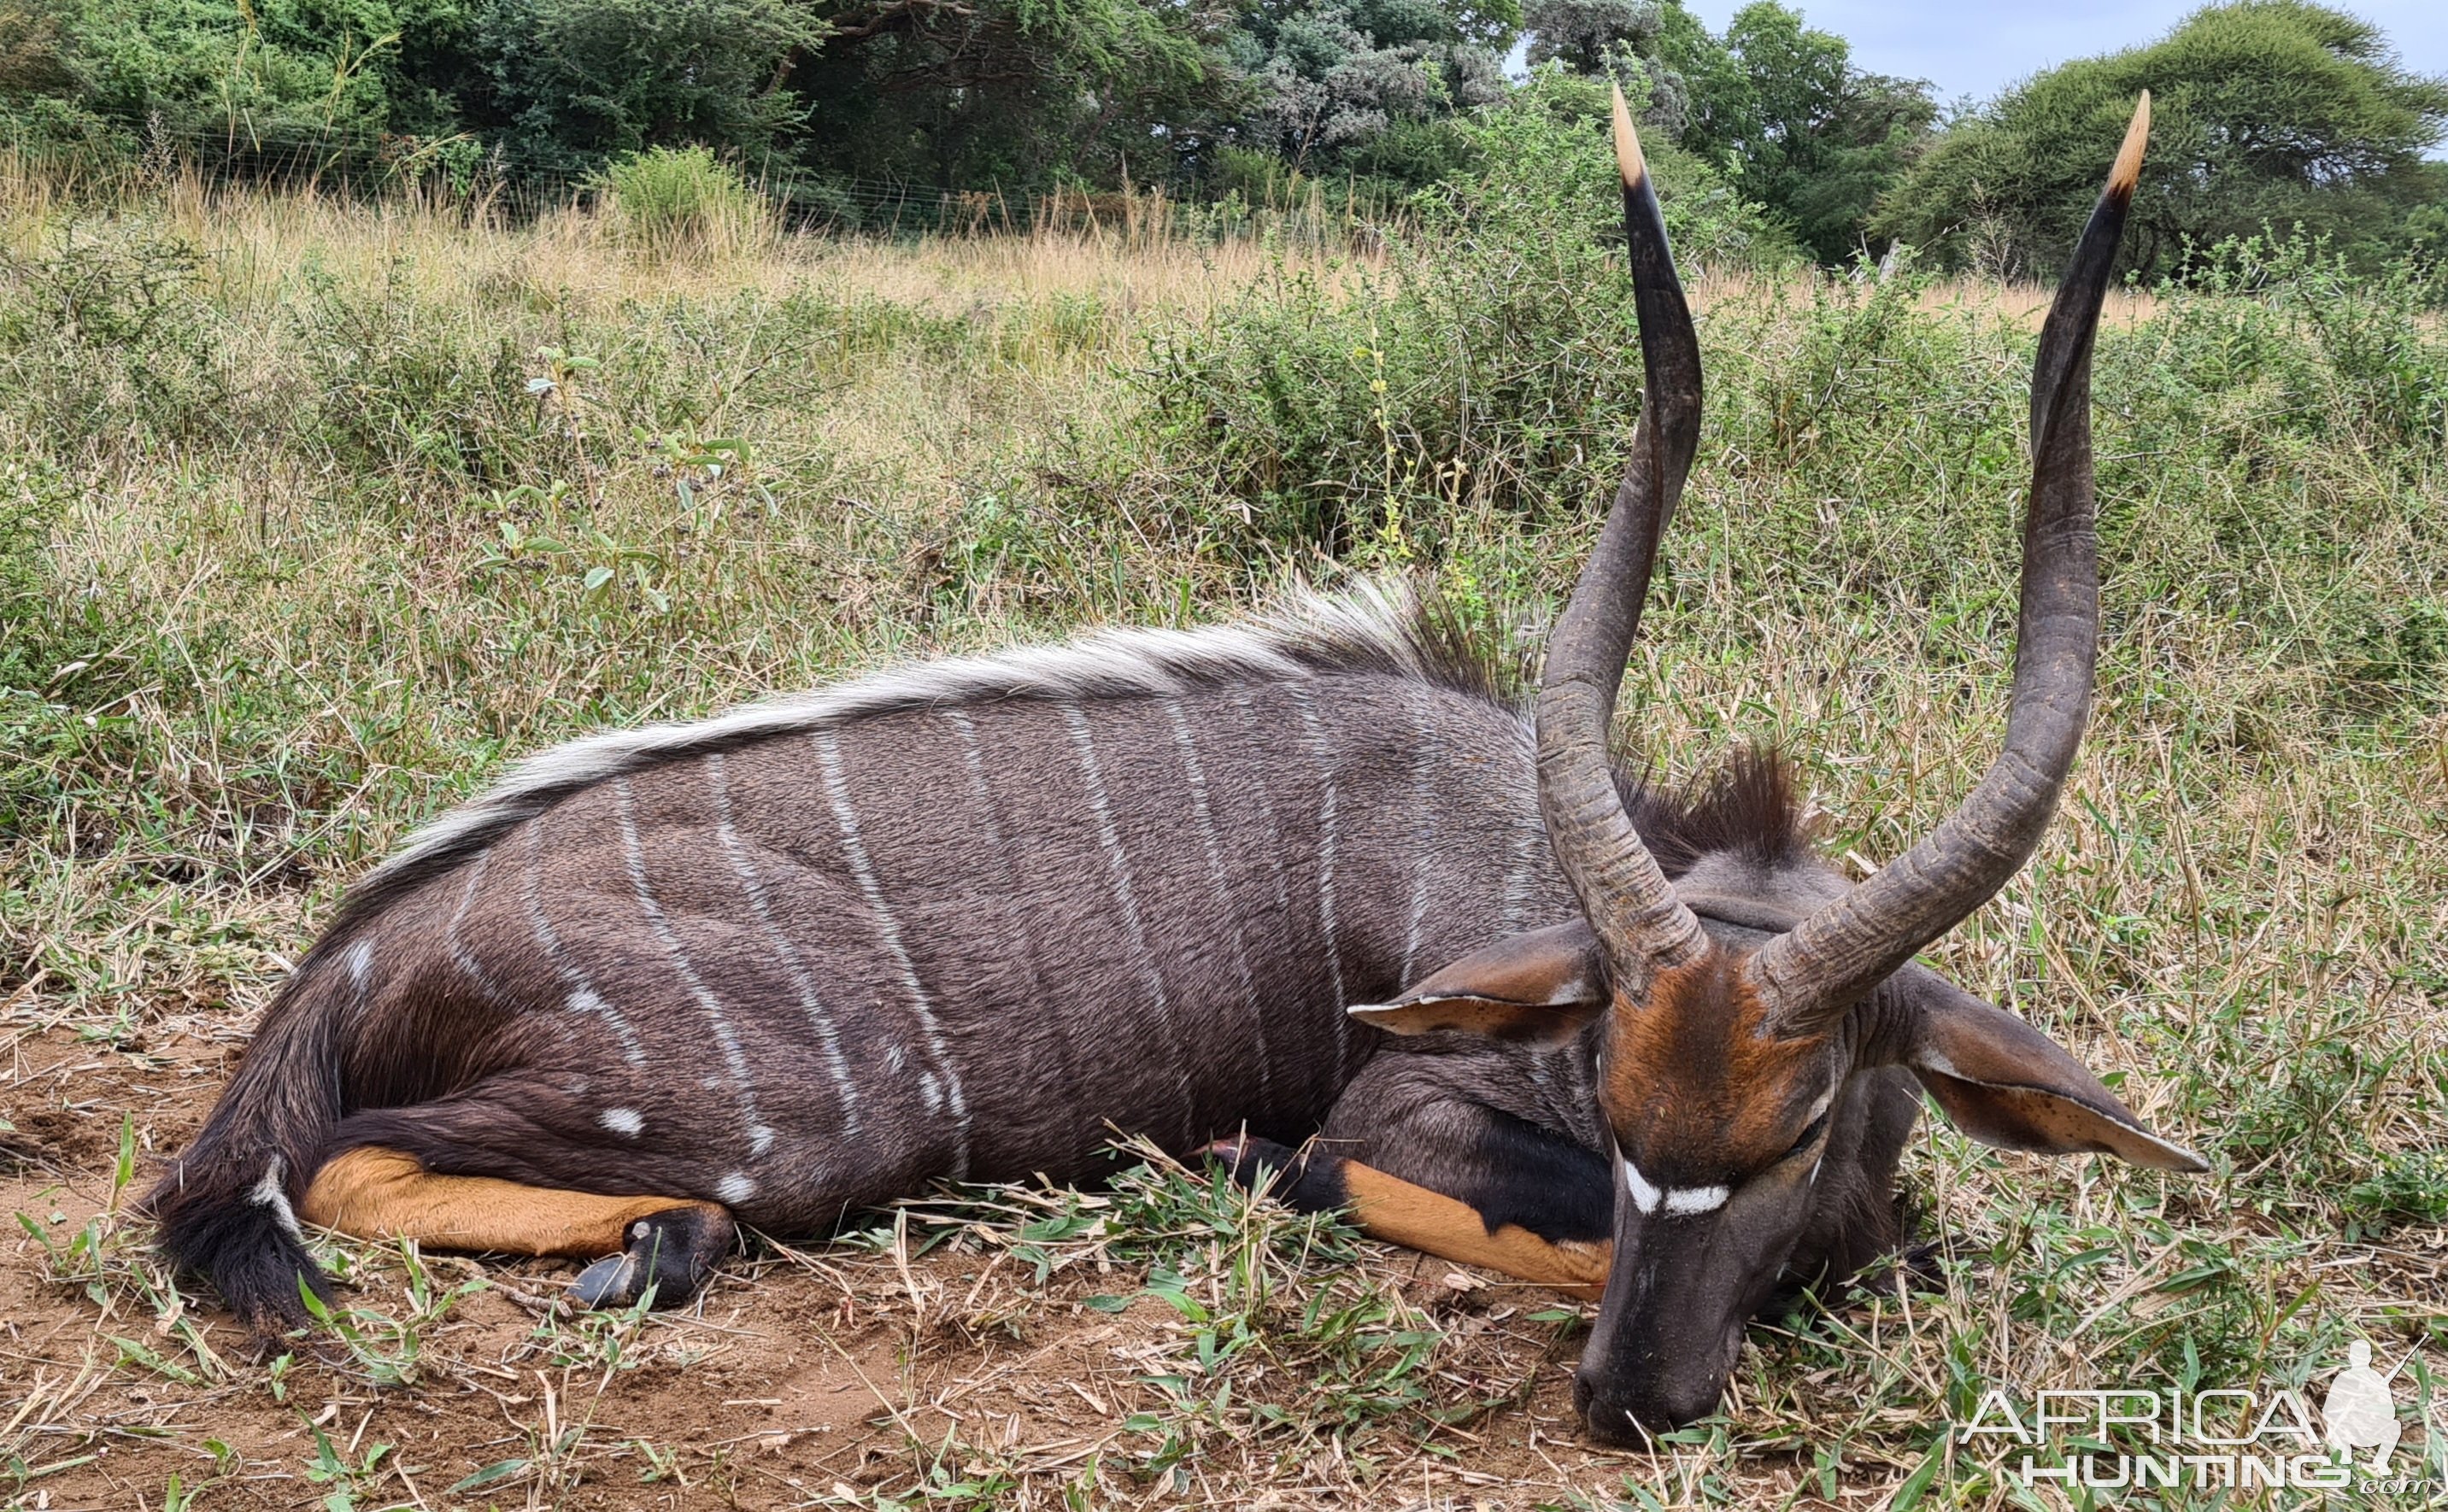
(312, 514)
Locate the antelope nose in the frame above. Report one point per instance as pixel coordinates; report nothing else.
(1625, 1415)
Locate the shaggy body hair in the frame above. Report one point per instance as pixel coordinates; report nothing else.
(803, 957)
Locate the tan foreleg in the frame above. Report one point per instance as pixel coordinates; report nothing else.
(1393, 1210)
(376, 1193)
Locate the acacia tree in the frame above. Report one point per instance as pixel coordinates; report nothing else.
(2264, 113)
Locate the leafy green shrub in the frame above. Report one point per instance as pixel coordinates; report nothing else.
(107, 327)
(384, 384)
(32, 494)
(1494, 352)
(678, 201)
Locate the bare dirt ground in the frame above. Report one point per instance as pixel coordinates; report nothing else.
(866, 1373)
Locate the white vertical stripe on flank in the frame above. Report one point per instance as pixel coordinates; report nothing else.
(1422, 816)
(461, 956)
(1255, 793)
(753, 886)
(888, 931)
(1257, 796)
(1219, 888)
(1119, 864)
(1527, 834)
(743, 1080)
(583, 997)
(1054, 1005)
(1325, 838)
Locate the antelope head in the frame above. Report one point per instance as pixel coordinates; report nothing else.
(1724, 1056)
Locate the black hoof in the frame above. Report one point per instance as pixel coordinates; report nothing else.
(1305, 1180)
(672, 1251)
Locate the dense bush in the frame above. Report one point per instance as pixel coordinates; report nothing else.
(672, 200)
(1494, 339)
(2258, 432)
(863, 112)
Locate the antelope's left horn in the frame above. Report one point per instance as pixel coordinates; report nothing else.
(1826, 963)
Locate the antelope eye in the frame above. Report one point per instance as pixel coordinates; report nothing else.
(1809, 1137)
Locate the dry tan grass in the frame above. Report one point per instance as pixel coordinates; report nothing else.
(313, 640)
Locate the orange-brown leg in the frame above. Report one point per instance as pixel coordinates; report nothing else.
(1388, 1208)
(1391, 1209)
(671, 1242)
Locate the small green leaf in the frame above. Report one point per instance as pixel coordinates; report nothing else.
(499, 1469)
(1909, 1494)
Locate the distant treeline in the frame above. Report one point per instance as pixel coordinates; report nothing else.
(2270, 113)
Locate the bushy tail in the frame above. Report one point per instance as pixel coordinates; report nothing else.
(225, 1208)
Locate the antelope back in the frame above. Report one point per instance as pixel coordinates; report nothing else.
(964, 921)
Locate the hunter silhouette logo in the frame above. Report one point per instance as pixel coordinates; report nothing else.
(2359, 1412)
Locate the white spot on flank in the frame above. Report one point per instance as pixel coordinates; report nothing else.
(362, 964)
(628, 1121)
(735, 1189)
(760, 1139)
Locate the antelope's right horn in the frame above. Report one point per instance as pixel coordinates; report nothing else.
(1819, 969)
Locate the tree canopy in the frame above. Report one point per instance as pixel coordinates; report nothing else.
(2264, 113)
(2269, 112)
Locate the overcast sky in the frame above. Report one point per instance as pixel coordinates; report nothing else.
(1967, 48)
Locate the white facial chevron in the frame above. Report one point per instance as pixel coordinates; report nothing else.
(1687, 1202)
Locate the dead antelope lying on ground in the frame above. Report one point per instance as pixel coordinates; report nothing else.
(951, 922)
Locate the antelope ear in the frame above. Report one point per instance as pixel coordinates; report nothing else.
(1542, 986)
(2006, 1084)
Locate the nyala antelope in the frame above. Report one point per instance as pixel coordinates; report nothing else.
(954, 921)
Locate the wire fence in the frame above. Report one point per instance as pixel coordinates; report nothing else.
(493, 180)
